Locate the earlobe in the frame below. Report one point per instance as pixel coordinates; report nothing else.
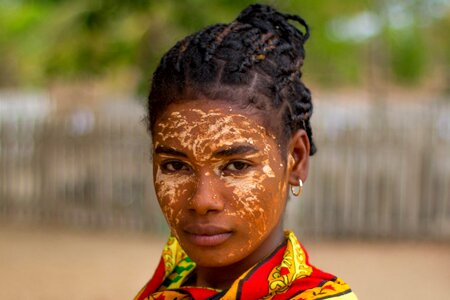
(298, 157)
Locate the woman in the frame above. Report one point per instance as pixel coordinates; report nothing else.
(230, 124)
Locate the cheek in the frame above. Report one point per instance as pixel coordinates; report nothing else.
(258, 199)
(250, 201)
(172, 191)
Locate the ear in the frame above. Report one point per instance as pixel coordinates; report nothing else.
(298, 157)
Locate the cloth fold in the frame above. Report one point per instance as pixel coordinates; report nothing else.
(285, 274)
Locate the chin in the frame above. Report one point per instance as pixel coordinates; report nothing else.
(212, 258)
(215, 261)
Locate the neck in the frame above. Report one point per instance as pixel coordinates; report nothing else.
(223, 277)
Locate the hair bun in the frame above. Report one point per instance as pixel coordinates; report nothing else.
(267, 18)
(256, 11)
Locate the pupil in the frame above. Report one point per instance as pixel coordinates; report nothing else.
(239, 165)
(177, 165)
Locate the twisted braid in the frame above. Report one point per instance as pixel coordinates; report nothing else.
(254, 61)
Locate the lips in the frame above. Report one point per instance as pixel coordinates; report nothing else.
(207, 235)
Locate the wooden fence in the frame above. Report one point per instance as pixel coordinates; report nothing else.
(379, 172)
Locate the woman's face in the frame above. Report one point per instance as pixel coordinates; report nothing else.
(220, 181)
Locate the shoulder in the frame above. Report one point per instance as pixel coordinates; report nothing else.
(315, 284)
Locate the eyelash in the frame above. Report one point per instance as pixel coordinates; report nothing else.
(169, 166)
(243, 168)
(175, 166)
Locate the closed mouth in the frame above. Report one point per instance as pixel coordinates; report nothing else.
(207, 235)
(205, 229)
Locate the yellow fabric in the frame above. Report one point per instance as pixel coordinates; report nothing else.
(330, 290)
(177, 264)
(294, 259)
(293, 266)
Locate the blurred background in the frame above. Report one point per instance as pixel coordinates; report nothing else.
(78, 215)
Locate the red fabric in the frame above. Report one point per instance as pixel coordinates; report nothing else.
(199, 293)
(253, 285)
(284, 271)
(316, 278)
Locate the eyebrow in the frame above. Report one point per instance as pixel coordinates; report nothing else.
(170, 151)
(240, 149)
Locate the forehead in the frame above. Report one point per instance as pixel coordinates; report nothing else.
(218, 124)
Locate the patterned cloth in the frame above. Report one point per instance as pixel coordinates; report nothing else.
(285, 274)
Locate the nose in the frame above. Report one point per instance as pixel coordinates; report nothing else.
(206, 198)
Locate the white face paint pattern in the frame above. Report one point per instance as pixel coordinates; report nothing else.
(200, 134)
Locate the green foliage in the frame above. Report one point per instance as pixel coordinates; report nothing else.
(407, 57)
(44, 40)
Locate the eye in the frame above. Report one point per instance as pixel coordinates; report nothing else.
(235, 166)
(174, 166)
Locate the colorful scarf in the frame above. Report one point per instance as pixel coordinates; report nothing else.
(285, 274)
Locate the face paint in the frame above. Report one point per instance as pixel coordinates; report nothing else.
(219, 179)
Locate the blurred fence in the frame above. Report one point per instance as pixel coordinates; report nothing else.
(379, 172)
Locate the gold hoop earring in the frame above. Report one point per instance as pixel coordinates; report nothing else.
(299, 189)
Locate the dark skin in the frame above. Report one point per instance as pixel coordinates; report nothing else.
(222, 184)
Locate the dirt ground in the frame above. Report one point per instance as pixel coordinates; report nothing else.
(66, 264)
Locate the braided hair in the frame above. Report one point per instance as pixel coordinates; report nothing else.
(253, 61)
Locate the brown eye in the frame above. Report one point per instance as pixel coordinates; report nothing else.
(174, 166)
(236, 166)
